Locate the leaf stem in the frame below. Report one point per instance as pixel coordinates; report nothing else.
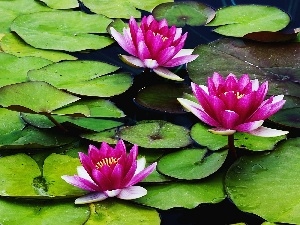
(231, 146)
(56, 123)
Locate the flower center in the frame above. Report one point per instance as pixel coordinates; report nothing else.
(237, 94)
(160, 35)
(107, 161)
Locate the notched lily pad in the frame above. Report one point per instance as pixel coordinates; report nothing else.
(13, 44)
(184, 194)
(254, 183)
(152, 98)
(190, 164)
(239, 20)
(63, 30)
(182, 13)
(156, 134)
(34, 96)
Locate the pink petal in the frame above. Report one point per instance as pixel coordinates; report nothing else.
(180, 60)
(101, 180)
(132, 61)
(91, 197)
(143, 51)
(142, 175)
(229, 119)
(247, 127)
(163, 72)
(132, 192)
(124, 41)
(267, 132)
(198, 111)
(141, 163)
(84, 174)
(80, 183)
(113, 193)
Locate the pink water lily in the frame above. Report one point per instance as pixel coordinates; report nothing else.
(154, 45)
(110, 172)
(231, 104)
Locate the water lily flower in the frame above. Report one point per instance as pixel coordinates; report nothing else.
(154, 45)
(110, 172)
(231, 104)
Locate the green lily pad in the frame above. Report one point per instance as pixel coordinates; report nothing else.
(9, 10)
(200, 134)
(63, 30)
(287, 117)
(151, 97)
(239, 20)
(181, 13)
(34, 96)
(266, 62)
(112, 212)
(190, 164)
(14, 212)
(14, 45)
(184, 194)
(31, 138)
(267, 184)
(108, 136)
(156, 134)
(57, 4)
(10, 121)
(121, 9)
(14, 69)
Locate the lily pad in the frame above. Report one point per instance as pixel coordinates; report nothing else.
(239, 20)
(182, 13)
(288, 117)
(34, 96)
(121, 9)
(263, 61)
(109, 136)
(267, 184)
(156, 134)
(112, 211)
(202, 136)
(14, 69)
(184, 194)
(14, 45)
(57, 4)
(152, 98)
(9, 10)
(190, 164)
(63, 30)
(10, 121)
(30, 138)
(41, 212)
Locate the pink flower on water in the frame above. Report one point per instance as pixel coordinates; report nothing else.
(231, 104)
(110, 172)
(154, 45)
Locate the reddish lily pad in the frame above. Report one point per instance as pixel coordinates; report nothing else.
(151, 97)
(268, 36)
(182, 13)
(191, 164)
(156, 134)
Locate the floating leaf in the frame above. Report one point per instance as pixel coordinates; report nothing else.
(182, 13)
(267, 184)
(121, 9)
(263, 61)
(190, 164)
(57, 4)
(14, 69)
(34, 96)
(14, 45)
(151, 97)
(10, 121)
(156, 134)
(184, 194)
(112, 212)
(109, 136)
(239, 20)
(268, 36)
(13, 212)
(9, 10)
(63, 30)
(31, 137)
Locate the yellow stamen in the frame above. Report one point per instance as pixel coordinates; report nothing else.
(161, 36)
(107, 161)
